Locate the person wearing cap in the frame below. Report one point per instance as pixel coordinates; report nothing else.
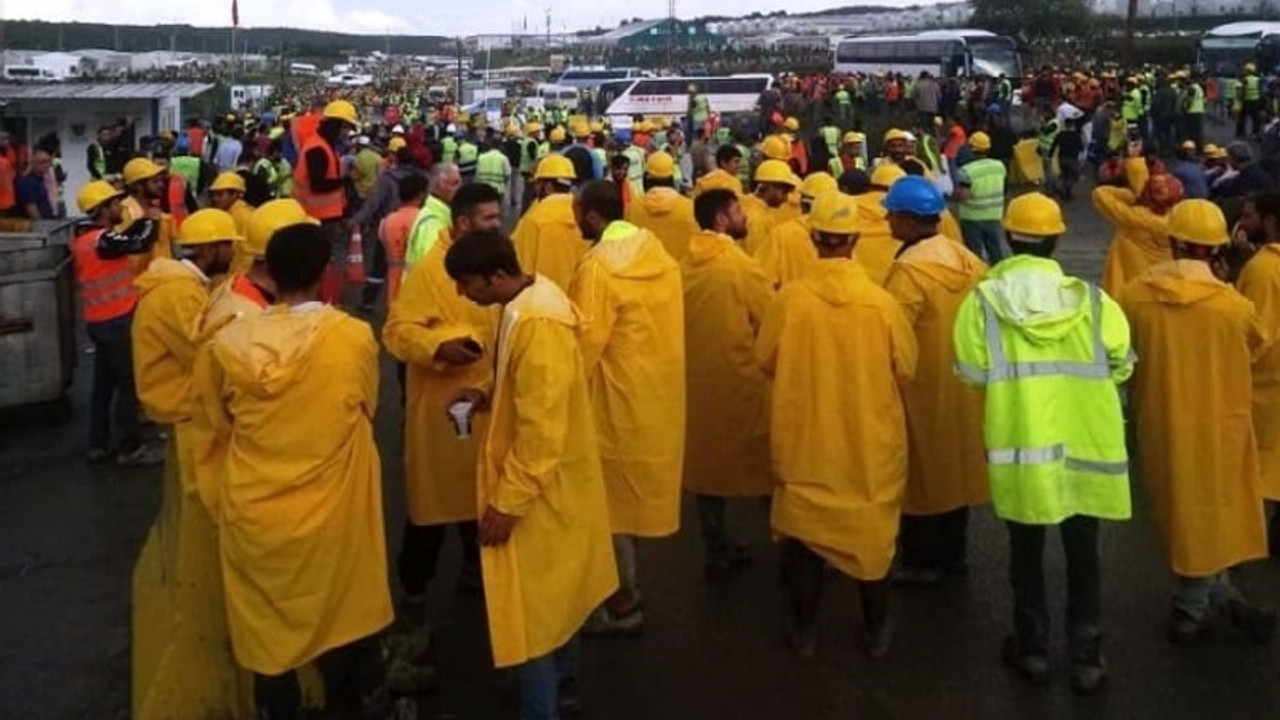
(227, 194)
(838, 439)
(365, 168)
(895, 147)
(229, 149)
(980, 187)
(288, 398)
(876, 245)
(585, 162)
(494, 169)
(774, 183)
(1049, 351)
(930, 276)
(1196, 448)
(636, 152)
(179, 617)
(144, 183)
(1249, 93)
(726, 174)
(1244, 177)
(628, 290)
(788, 253)
(727, 448)
(1193, 106)
(319, 185)
(1139, 214)
(619, 169)
(852, 155)
(661, 210)
(1068, 148)
(1190, 172)
(104, 277)
(547, 237)
(385, 201)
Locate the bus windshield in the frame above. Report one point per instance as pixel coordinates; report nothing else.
(1223, 57)
(993, 57)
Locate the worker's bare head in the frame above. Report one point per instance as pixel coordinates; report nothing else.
(597, 204)
(484, 267)
(1260, 217)
(297, 256)
(476, 207)
(719, 211)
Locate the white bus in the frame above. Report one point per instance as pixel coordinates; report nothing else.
(591, 77)
(669, 96)
(943, 53)
(1224, 50)
(29, 74)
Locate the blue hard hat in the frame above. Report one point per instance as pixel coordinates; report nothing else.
(916, 195)
(994, 109)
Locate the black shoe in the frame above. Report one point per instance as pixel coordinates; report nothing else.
(803, 641)
(1258, 623)
(1032, 666)
(570, 697)
(1087, 677)
(922, 577)
(876, 641)
(726, 561)
(1186, 630)
(97, 456)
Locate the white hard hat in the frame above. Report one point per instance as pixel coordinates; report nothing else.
(362, 140)
(451, 128)
(397, 130)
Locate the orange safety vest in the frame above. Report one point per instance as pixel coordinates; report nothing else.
(241, 286)
(177, 200)
(330, 205)
(8, 193)
(195, 140)
(106, 286)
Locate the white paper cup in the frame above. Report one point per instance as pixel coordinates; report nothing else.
(461, 414)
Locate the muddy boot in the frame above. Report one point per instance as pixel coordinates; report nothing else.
(1088, 667)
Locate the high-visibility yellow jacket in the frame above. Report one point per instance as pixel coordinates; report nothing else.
(788, 254)
(1260, 282)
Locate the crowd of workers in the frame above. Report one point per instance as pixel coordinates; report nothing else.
(657, 322)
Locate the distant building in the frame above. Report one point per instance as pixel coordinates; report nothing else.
(656, 34)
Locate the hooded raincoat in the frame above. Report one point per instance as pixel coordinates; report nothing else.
(1141, 236)
(133, 210)
(632, 336)
(725, 300)
(539, 462)
(548, 241)
(291, 395)
(761, 220)
(876, 246)
(947, 468)
(440, 467)
(1195, 441)
(838, 348)
(788, 254)
(668, 215)
(1260, 283)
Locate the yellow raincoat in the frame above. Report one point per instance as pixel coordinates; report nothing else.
(717, 179)
(291, 395)
(947, 468)
(838, 348)
(950, 227)
(539, 461)
(132, 210)
(789, 210)
(760, 222)
(548, 241)
(788, 254)
(240, 212)
(876, 246)
(632, 338)
(440, 467)
(1141, 236)
(225, 305)
(1196, 338)
(668, 215)
(1260, 282)
(181, 661)
(725, 299)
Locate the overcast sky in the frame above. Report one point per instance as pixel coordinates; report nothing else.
(433, 17)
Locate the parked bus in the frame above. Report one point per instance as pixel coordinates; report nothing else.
(943, 53)
(1224, 50)
(669, 96)
(591, 78)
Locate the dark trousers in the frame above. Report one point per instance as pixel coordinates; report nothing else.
(934, 541)
(711, 514)
(803, 571)
(113, 381)
(375, 265)
(1251, 113)
(355, 685)
(1026, 572)
(420, 553)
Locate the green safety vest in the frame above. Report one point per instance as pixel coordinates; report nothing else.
(267, 170)
(1195, 99)
(932, 157)
(1004, 92)
(448, 150)
(1131, 110)
(100, 159)
(723, 135)
(284, 175)
(1048, 134)
(701, 109)
(835, 166)
(635, 172)
(1053, 427)
(744, 168)
(491, 170)
(1252, 88)
(603, 157)
(842, 97)
(986, 191)
(528, 154)
(831, 136)
(468, 154)
(186, 167)
(543, 149)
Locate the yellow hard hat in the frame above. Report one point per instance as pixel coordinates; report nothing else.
(817, 184)
(896, 134)
(533, 128)
(776, 147)
(1250, 67)
(342, 110)
(791, 124)
(208, 226)
(270, 217)
(1198, 222)
(557, 135)
(662, 123)
(1214, 152)
(139, 169)
(510, 130)
(1034, 215)
(980, 141)
(885, 174)
(92, 195)
(660, 166)
(644, 126)
(555, 167)
(228, 181)
(581, 130)
(834, 212)
(596, 127)
(396, 144)
(1189, 145)
(853, 137)
(775, 171)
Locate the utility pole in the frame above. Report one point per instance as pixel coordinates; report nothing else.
(671, 32)
(548, 28)
(457, 97)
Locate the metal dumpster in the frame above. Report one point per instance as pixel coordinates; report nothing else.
(37, 316)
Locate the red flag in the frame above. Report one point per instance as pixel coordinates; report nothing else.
(235, 13)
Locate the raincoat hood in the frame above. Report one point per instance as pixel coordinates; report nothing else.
(1032, 295)
(1183, 282)
(834, 280)
(633, 253)
(558, 210)
(705, 246)
(660, 201)
(944, 261)
(265, 358)
(871, 207)
(543, 299)
(163, 271)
